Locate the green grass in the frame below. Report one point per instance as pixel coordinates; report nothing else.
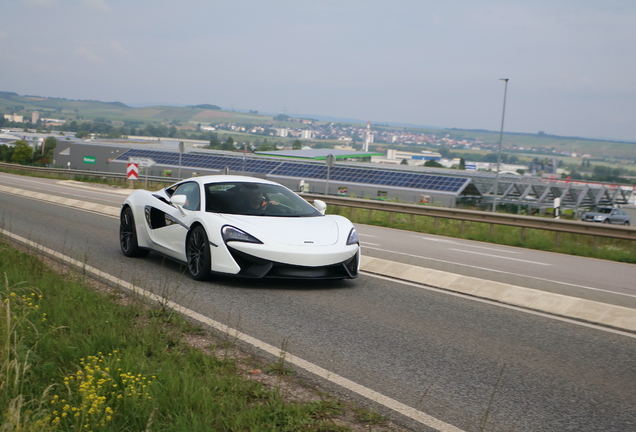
(572, 244)
(73, 358)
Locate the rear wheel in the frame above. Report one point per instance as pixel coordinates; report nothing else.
(128, 235)
(198, 253)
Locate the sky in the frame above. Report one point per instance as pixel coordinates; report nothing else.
(571, 64)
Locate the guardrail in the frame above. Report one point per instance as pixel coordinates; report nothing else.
(524, 222)
(557, 225)
(68, 173)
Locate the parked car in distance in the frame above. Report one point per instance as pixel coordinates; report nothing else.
(607, 215)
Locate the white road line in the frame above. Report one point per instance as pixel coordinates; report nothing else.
(501, 272)
(438, 240)
(504, 305)
(62, 201)
(501, 257)
(369, 244)
(325, 374)
(468, 245)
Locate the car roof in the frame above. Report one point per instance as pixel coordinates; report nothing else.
(227, 179)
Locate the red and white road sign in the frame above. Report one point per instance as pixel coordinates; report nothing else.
(132, 172)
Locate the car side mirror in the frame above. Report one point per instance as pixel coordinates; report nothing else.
(179, 200)
(321, 206)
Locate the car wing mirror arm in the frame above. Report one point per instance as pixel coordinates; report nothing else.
(179, 201)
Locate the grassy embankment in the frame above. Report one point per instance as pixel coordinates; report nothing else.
(76, 358)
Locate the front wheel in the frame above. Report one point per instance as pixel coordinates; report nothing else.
(198, 253)
(626, 223)
(606, 221)
(128, 235)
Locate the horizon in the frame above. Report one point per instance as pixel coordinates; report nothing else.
(344, 120)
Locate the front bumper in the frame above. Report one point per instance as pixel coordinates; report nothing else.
(259, 268)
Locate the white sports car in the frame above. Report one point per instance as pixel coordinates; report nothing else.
(241, 226)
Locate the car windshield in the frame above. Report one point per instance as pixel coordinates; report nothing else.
(604, 210)
(256, 199)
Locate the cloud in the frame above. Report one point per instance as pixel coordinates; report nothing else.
(119, 49)
(88, 55)
(100, 5)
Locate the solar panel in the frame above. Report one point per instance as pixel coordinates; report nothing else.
(373, 176)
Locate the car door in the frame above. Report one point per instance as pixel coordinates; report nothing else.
(169, 223)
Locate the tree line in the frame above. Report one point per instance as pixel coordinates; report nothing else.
(25, 154)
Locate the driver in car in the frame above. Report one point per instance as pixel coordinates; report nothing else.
(258, 202)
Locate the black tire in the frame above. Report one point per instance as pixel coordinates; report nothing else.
(626, 223)
(606, 221)
(128, 235)
(198, 254)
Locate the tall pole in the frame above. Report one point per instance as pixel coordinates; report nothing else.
(181, 150)
(503, 114)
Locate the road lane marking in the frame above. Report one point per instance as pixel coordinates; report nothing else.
(503, 305)
(503, 272)
(62, 201)
(468, 245)
(369, 244)
(501, 257)
(325, 374)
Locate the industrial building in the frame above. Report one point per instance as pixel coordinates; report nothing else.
(309, 172)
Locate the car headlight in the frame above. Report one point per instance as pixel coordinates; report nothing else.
(231, 233)
(353, 237)
(598, 217)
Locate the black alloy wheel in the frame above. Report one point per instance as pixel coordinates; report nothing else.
(198, 254)
(128, 235)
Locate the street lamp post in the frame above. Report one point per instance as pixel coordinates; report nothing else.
(503, 114)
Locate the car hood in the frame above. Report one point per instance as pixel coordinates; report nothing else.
(311, 231)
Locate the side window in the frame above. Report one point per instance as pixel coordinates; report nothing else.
(190, 190)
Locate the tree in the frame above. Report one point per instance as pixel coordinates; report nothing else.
(433, 163)
(297, 145)
(404, 162)
(266, 146)
(22, 152)
(462, 163)
(228, 144)
(5, 153)
(49, 148)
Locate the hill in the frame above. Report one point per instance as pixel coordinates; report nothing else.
(188, 117)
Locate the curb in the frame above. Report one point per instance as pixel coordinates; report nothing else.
(617, 317)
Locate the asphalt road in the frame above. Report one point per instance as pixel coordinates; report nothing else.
(441, 354)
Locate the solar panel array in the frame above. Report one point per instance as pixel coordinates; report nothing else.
(372, 176)
(305, 170)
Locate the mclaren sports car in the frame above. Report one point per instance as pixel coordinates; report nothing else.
(241, 226)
